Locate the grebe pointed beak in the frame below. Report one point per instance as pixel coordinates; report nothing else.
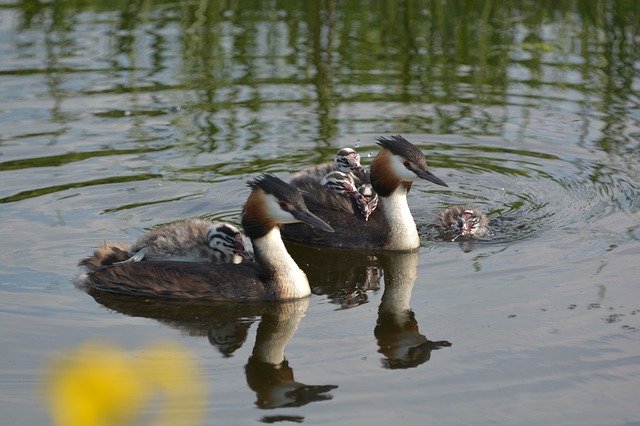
(312, 220)
(427, 175)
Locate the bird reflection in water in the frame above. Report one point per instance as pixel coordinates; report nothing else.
(345, 277)
(226, 325)
(268, 372)
(396, 331)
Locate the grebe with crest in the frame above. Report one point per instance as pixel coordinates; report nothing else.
(391, 225)
(273, 276)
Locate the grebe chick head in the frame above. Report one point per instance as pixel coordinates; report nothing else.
(367, 200)
(227, 244)
(348, 161)
(465, 221)
(472, 222)
(272, 203)
(398, 162)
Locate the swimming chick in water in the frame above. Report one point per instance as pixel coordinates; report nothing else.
(464, 221)
(190, 240)
(391, 225)
(273, 276)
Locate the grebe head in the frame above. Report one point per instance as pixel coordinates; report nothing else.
(399, 161)
(367, 200)
(274, 202)
(471, 222)
(227, 243)
(348, 161)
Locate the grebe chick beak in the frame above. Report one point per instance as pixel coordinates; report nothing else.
(311, 220)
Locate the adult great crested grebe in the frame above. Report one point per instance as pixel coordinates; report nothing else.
(274, 275)
(391, 225)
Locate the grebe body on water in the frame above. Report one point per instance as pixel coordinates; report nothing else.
(391, 225)
(273, 276)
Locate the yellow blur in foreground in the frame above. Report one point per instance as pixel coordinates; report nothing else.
(100, 384)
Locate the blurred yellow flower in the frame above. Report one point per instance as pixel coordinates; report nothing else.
(100, 384)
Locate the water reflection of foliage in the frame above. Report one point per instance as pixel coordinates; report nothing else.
(465, 59)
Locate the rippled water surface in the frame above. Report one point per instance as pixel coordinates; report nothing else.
(119, 116)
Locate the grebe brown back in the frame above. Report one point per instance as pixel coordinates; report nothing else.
(391, 225)
(274, 275)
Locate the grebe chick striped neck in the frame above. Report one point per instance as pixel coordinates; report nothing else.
(348, 161)
(274, 275)
(364, 197)
(367, 200)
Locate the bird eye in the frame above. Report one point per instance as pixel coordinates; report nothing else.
(407, 164)
(283, 205)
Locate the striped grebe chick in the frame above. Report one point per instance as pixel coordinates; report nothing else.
(190, 240)
(464, 221)
(347, 161)
(363, 195)
(273, 276)
(391, 225)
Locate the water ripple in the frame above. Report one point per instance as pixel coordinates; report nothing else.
(527, 193)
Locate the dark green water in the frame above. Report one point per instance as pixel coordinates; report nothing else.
(117, 116)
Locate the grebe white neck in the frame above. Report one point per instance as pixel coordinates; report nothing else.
(403, 234)
(285, 279)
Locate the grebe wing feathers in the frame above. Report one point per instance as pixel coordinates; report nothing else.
(349, 232)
